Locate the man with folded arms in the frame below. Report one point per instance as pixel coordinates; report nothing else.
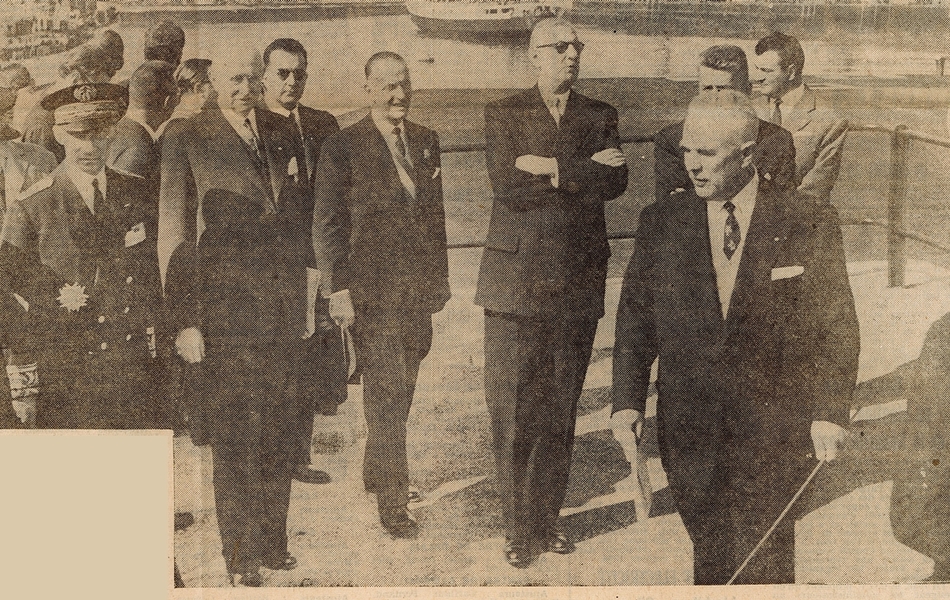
(744, 298)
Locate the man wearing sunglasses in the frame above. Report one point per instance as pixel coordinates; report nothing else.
(553, 160)
(323, 379)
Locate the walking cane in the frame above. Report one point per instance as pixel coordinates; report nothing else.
(795, 498)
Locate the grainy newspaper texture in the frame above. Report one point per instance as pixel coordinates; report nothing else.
(488, 298)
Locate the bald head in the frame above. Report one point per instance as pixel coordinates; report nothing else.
(719, 136)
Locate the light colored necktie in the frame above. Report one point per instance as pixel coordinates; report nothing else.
(777, 112)
(403, 161)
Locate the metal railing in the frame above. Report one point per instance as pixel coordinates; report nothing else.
(897, 234)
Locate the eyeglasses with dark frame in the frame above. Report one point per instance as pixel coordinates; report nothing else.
(561, 46)
(298, 73)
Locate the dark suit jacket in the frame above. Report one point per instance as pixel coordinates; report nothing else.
(546, 251)
(317, 126)
(133, 150)
(232, 242)
(369, 235)
(786, 355)
(774, 158)
(51, 239)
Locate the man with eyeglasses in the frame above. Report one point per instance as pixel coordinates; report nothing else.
(553, 159)
(231, 251)
(323, 378)
(724, 67)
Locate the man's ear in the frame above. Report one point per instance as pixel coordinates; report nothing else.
(59, 134)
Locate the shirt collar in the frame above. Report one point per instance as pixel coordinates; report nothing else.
(385, 126)
(745, 199)
(237, 121)
(549, 99)
(792, 97)
(83, 182)
(138, 116)
(280, 110)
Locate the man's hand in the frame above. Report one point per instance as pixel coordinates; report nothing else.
(190, 345)
(537, 165)
(612, 157)
(827, 438)
(341, 308)
(627, 427)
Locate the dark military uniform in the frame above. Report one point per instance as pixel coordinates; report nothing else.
(93, 287)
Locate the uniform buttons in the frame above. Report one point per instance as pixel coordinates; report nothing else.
(128, 279)
(128, 337)
(126, 310)
(101, 319)
(104, 346)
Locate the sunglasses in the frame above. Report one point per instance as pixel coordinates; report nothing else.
(298, 73)
(561, 47)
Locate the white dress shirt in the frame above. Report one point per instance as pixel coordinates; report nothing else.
(83, 183)
(385, 127)
(237, 122)
(726, 269)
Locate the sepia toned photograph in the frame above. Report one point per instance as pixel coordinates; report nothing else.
(516, 295)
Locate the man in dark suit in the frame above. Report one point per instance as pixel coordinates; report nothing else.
(757, 357)
(553, 160)
(323, 377)
(724, 67)
(78, 249)
(152, 98)
(235, 282)
(379, 240)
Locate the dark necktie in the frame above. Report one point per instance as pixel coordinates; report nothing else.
(307, 158)
(97, 199)
(254, 143)
(400, 145)
(731, 235)
(777, 112)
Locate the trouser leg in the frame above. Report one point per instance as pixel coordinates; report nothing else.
(570, 344)
(391, 352)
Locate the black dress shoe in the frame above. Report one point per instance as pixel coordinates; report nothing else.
(249, 579)
(518, 553)
(399, 523)
(307, 474)
(281, 563)
(558, 542)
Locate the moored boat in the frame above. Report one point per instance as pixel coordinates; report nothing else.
(498, 17)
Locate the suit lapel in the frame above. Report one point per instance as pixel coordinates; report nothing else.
(381, 154)
(767, 233)
(698, 257)
(801, 114)
(227, 143)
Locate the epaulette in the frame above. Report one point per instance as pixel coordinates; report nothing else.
(39, 186)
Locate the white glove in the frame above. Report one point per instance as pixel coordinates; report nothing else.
(190, 345)
(341, 308)
(828, 439)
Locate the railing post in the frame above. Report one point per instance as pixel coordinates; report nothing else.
(896, 200)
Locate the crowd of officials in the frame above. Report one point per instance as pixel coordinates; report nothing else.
(186, 248)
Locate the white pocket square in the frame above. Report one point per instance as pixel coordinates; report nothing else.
(787, 272)
(435, 174)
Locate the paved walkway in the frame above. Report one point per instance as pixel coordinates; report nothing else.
(845, 538)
